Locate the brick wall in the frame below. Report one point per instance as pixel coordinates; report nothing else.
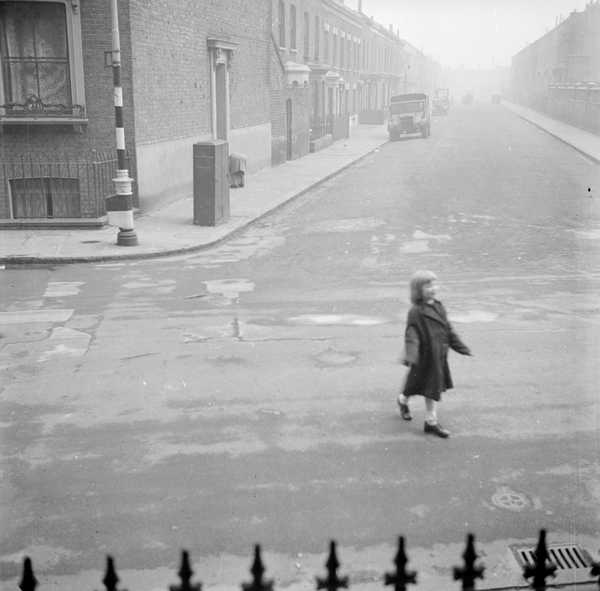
(171, 64)
(165, 77)
(65, 142)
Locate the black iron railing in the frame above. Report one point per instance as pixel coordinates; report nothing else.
(337, 126)
(471, 569)
(63, 186)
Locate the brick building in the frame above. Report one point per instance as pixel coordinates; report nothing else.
(347, 64)
(189, 73)
(275, 78)
(560, 72)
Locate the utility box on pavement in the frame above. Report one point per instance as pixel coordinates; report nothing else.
(211, 183)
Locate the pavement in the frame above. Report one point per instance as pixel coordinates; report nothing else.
(169, 229)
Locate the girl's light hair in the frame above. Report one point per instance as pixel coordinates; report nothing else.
(417, 281)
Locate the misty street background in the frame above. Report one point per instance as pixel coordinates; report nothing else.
(246, 393)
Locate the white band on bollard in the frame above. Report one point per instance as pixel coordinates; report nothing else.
(122, 219)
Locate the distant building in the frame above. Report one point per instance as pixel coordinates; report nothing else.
(560, 72)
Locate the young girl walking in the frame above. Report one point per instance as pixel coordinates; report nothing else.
(427, 338)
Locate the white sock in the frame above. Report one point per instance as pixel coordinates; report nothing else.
(403, 399)
(430, 411)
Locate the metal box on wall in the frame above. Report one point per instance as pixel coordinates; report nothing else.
(211, 183)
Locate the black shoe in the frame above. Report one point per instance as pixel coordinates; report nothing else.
(436, 429)
(405, 411)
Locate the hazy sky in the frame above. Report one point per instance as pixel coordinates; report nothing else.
(471, 33)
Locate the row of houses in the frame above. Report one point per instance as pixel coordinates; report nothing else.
(275, 78)
(559, 73)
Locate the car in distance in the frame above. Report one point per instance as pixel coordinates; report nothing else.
(409, 114)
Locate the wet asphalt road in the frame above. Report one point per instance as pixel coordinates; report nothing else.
(246, 393)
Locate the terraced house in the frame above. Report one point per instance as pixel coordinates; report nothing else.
(275, 78)
(559, 73)
(349, 65)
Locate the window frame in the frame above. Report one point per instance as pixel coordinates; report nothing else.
(75, 54)
(306, 37)
(293, 28)
(282, 35)
(317, 40)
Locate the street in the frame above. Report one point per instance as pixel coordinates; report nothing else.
(246, 393)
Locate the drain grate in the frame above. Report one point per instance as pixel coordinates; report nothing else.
(565, 557)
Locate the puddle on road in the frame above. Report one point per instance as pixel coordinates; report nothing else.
(164, 286)
(345, 225)
(588, 234)
(338, 319)
(333, 358)
(419, 235)
(474, 316)
(229, 289)
(66, 341)
(421, 242)
(415, 247)
(59, 289)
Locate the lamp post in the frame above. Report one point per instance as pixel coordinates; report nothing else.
(121, 213)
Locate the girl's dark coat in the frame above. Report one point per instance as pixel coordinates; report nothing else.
(428, 336)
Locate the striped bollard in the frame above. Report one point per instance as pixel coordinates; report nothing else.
(120, 207)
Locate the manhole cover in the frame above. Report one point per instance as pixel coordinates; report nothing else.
(506, 498)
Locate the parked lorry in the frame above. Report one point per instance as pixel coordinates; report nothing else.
(409, 114)
(441, 101)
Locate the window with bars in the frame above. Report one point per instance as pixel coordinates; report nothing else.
(45, 197)
(41, 60)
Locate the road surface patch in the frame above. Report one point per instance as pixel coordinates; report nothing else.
(338, 319)
(61, 289)
(29, 316)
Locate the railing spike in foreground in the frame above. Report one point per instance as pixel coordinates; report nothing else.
(542, 567)
(595, 571)
(111, 578)
(402, 577)
(185, 575)
(257, 570)
(470, 571)
(332, 582)
(28, 581)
